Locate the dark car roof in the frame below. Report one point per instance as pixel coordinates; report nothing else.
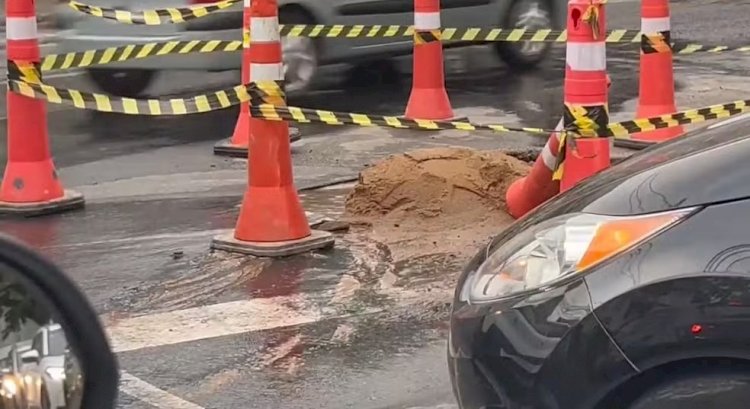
(707, 166)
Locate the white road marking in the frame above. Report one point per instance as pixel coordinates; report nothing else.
(211, 321)
(152, 395)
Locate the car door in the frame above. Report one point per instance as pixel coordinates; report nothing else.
(454, 13)
(370, 12)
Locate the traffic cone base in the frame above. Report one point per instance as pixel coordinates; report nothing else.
(659, 135)
(315, 241)
(70, 200)
(230, 148)
(429, 103)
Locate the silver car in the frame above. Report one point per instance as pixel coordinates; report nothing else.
(302, 56)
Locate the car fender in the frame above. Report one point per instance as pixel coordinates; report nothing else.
(317, 10)
(701, 315)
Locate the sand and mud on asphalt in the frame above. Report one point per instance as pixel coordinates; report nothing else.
(433, 208)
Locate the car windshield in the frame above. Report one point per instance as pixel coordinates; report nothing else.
(57, 342)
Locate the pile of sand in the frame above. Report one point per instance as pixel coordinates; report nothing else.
(431, 210)
(435, 183)
(441, 201)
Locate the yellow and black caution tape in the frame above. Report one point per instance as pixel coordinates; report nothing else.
(305, 116)
(25, 72)
(427, 36)
(594, 129)
(26, 79)
(656, 43)
(492, 34)
(624, 129)
(476, 34)
(586, 120)
(580, 120)
(213, 101)
(134, 51)
(660, 43)
(110, 55)
(261, 94)
(683, 48)
(152, 17)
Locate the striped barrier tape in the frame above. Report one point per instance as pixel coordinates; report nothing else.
(153, 17)
(654, 42)
(26, 79)
(212, 101)
(110, 55)
(620, 130)
(662, 43)
(579, 120)
(474, 34)
(578, 124)
(258, 95)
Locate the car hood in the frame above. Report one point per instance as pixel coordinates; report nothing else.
(707, 166)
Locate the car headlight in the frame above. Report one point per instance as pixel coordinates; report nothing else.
(56, 373)
(558, 247)
(10, 387)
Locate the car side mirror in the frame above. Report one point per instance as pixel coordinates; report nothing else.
(30, 356)
(34, 295)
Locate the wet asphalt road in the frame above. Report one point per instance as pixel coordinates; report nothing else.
(156, 196)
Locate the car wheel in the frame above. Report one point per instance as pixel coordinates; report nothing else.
(300, 53)
(531, 15)
(122, 83)
(717, 390)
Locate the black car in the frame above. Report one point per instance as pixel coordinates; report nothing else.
(629, 291)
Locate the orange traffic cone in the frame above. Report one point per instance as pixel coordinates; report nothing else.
(236, 146)
(429, 98)
(272, 222)
(656, 90)
(585, 90)
(525, 194)
(30, 185)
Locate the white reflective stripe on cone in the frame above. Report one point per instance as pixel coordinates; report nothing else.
(247, 3)
(549, 157)
(20, 28)
(266, 72)
(427, 21)
(264, 29)
(586, 56)
(654, 25)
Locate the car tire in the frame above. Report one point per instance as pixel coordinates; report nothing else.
(122, 83)
(532, 15)
(728, 390)
(300, 54)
